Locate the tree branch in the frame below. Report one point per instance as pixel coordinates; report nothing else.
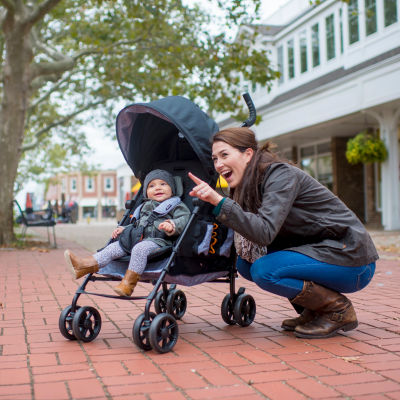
(42, 132)
(40, 11)
(51, 68)
(48, 50)
(52, 90)
(8, 4)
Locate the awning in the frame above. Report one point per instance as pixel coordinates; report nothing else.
(88, 203)
(109, 201)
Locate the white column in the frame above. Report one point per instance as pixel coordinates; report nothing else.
(388, 125)
(99, 215)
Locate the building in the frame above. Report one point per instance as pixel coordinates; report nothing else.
(128, 185)
(340, 74)
(95, 194)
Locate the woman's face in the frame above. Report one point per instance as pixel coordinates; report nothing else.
(230, 162)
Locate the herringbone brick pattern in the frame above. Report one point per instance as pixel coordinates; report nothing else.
(210, 361)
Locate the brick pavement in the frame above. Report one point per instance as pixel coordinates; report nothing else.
(210, 361)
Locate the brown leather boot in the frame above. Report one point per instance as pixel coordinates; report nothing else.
(81, 266)
(334, 312)
(304, 317)
(128, 283)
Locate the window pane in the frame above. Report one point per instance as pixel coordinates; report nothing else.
(330, 37)
(390, 12)
(309, 165)
(353, 21)
(280, 63)
(315, 44)
(290, 52)
(324, 169)
(324, 147)
(303, 51)
(370, 16)
(307, 151)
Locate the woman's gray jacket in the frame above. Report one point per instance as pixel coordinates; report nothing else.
(179, 215)
(299, 214)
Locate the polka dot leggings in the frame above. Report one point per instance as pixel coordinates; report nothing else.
(139, 254)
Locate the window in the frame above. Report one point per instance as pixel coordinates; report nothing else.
(352, 15)
(89, 184)
(290, 53)
(108, 184)
(316, 160)
(315, 44)
(330, 37)
(280, 64)
(73, 184)
(370, 17)
(390, 7)
(341, 30)
(303, 52)
(63, 185)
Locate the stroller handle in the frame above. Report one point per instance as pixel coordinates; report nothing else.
(252, 111)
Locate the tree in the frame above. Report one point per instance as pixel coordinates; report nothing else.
(60, 59)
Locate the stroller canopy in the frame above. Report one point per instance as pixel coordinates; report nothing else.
(166, 130)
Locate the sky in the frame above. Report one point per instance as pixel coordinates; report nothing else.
(105, 150)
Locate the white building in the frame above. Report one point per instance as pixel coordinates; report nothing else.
(340, 74)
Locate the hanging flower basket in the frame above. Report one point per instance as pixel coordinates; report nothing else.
(365, 148)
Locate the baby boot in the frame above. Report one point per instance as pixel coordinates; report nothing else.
(81, 266)
(128, 283)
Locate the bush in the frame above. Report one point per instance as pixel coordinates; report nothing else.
(365, 148)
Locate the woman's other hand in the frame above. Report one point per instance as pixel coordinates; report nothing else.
(204, 191)
(117, 231)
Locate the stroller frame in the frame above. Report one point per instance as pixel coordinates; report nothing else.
(158, 331)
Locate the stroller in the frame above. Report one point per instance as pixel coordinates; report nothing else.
(171, 134)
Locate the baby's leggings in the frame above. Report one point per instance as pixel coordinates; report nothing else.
(138, 259)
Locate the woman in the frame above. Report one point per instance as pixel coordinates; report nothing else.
(317, 247)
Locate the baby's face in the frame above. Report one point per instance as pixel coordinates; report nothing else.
(158, 190)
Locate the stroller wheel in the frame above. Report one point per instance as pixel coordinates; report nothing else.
(86, 324)
(163, 333)
(140, 331)
(65, 322)
(227, 310)
(160, 303)
(176, 303)
(244, 310)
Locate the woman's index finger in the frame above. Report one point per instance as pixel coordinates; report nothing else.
(195, 179)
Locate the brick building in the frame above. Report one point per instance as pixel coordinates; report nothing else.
(95, 194)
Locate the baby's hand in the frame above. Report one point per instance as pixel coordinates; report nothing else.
(168, 227)
(117, 231)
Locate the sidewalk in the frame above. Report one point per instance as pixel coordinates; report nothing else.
(211, 359)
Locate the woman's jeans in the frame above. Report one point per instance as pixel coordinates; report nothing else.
(283, 273)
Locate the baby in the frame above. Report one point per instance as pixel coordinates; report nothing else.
(145, 235)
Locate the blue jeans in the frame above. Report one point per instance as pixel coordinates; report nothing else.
(283, 273)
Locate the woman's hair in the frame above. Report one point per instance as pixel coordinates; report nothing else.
(248, 192)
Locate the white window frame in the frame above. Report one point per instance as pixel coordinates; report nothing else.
(111, 188)
(74, 185)
(87, 180)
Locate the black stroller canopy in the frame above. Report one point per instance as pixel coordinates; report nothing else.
(166, 130)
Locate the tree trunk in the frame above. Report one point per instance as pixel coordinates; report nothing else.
(16, 83)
